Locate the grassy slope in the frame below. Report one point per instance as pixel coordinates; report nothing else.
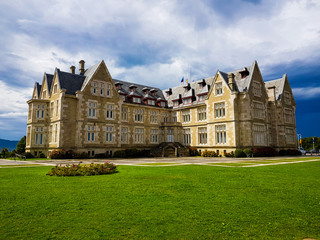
(274, 202)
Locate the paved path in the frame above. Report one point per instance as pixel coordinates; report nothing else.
(163, 161)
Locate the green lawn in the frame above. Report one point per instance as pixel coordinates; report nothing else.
(178, 202)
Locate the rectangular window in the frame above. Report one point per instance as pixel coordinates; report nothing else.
(202, 98)
(90, 134)
(154, 135)
(109, 111)
(55, 88)
(136, 100)
(39, 135)
(109, 134)
(138, 115)
(138, 135)
(202, 114)
(219, 90)
(51, 109)
(290, 135)
(124, 135)
(164, 117)
(221, 134)
(202, 135)
(288, 115)
(175, 103)
(108, 92)
(162, 104)
(151, 102)
(186, 115)
(57, 107)
(258, 110)
(256, 89)
(187, 136)
(153, 116)
(259, 134)
(92, 109)
(56, 133)
(124, 114)
(220, 110)
(287, 98)
(174, 117)
(187, 101)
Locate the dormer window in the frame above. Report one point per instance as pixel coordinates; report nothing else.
(187, 101)
(162, 104)
(169, 92)
(244, 73)
(202, 83)
(136, 100)
(202, 98)
(145, 90)
(118, 85)
(151, 102)
(132, 87)
(153, 92)
(176, 103)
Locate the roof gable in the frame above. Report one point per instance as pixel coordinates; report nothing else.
(36, 90)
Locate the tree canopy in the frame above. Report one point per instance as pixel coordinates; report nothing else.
(21, 146)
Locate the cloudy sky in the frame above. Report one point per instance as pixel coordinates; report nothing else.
(158, 42)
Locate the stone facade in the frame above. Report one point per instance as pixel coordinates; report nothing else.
(91, 112)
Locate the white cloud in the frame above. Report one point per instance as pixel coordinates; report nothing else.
(13, 100)
(306, 93)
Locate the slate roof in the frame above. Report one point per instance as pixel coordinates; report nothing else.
(180, 90)
(38, 88)
(49, 79)
(70, 82)
(278, 84)
(89, 73)
(242, 84)
(125, 88)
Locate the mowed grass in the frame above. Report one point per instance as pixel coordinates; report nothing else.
(178, 202)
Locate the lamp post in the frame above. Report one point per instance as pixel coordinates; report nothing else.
(313, 142)
(299, 140)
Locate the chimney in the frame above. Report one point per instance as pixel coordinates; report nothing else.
(72, 69)
(81, 66)
(231, 81)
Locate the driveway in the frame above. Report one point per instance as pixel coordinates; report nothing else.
(142, 161)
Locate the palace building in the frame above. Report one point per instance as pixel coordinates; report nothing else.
(91, 112)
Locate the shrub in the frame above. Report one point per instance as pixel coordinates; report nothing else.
(209, 154)
(264, 152)
(83, 170)
(100, 155)
(293, 152)
(41, 155)
(132, 153)
(230, 154)
(28, 155)
(58, 154)
(82, 155)
(248, 152)
(283, 152)
(239, 153)
(120, 154)
(194, 152)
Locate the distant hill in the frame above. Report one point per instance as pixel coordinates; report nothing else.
(8, 144)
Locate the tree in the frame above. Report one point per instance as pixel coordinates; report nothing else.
(4, 152)
(21, 146)
(307, 143)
